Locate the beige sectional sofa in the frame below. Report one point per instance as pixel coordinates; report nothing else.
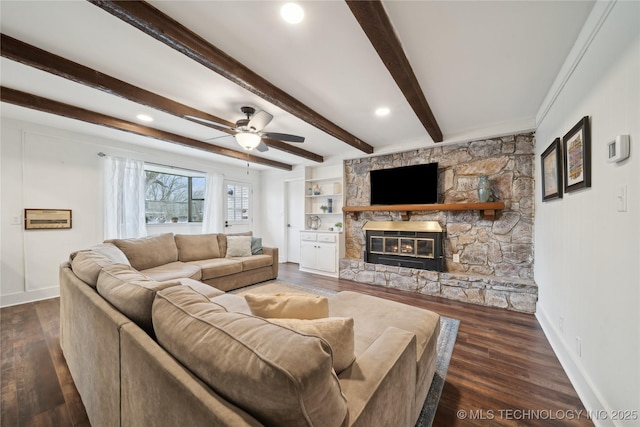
(200, 257)
(146, 347)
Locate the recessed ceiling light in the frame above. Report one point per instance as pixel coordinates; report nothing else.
(292, 13)
(144, 118)
(382, 111)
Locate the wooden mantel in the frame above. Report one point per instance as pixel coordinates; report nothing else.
(488, 210)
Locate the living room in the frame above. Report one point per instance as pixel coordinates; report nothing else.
(587, 296)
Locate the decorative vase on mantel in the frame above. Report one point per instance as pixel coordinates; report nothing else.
(484, 189)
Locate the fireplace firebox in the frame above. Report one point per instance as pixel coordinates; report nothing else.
(410, 244)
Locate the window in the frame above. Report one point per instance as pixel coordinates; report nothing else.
(238, 201)
(173, 197)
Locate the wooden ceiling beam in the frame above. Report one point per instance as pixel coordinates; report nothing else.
(23, 99)
(32, 56)
(375, 23)
(156, 24)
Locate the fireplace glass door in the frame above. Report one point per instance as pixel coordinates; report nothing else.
(413, 247)
(425, 248)
(391, 245)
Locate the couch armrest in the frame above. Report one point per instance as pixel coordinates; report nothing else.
(274, 253)
(380, 384)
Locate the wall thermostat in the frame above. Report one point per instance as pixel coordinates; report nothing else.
(618, 149)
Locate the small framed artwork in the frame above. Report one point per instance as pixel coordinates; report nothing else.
(577, 156)
(551, 161)
(47, 219)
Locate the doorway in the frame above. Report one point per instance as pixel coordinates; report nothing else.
(294, 200)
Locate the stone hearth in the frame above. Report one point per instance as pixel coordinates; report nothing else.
(493, 291)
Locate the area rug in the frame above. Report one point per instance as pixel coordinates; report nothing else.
(446, 341)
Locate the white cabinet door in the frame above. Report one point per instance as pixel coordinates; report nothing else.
(326, 257)
(308, 254)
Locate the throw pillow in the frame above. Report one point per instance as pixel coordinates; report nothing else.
(222, 241)
(112, 252)
(256, 246)
(289, 306)
(238, 246)
(336, 331)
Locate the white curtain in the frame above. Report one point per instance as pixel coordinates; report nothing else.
(213, 217)
(124, 198)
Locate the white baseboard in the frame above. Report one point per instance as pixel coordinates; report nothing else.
(29, 296)
(589, 395)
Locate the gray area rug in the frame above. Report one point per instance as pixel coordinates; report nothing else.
(446, 341)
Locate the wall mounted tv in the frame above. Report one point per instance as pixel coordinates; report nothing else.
(405, 185)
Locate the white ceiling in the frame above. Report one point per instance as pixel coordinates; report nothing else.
(484, 66)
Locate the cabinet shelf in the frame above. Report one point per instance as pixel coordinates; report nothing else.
(333, 178)
(488, 210)
(312, 196)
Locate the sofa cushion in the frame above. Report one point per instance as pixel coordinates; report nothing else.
(288, 305)
(194, 247)
(373, 315)
(232, 302)
(131, 292)
(199, 287)
(336, 331)
(238, 246)
(255, 261)
(278, 375)
(217, 267)
(148, 252)
(88, 264)
(173, 270)
(222, 241)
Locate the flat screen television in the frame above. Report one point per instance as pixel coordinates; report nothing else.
(405, 185)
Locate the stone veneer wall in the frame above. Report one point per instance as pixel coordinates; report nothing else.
(496, 257)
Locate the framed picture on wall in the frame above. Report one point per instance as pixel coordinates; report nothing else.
(577, 156)
(551, 161)
(47, 219)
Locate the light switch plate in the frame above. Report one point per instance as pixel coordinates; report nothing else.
(621, 198)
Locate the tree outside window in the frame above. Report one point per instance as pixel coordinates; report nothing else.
(173, 197)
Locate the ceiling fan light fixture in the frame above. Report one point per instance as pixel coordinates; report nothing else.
(292, 13)
(248, 140)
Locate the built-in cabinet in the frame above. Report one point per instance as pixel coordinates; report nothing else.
(322, 240)
(323, 204)
(320, 252)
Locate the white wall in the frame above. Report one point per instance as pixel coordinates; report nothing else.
(587, 254)
(273, 201)
(48, 168)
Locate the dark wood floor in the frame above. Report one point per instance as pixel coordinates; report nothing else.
(502, 371)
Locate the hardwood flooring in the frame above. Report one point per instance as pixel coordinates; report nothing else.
(503, 371)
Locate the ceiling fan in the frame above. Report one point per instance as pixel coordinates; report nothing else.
(248, 131)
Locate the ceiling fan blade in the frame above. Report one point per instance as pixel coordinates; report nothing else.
(260, 120)
(262, 147)
(284, 136)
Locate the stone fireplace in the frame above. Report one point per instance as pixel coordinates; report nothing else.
(485, 261)
(414, 244)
